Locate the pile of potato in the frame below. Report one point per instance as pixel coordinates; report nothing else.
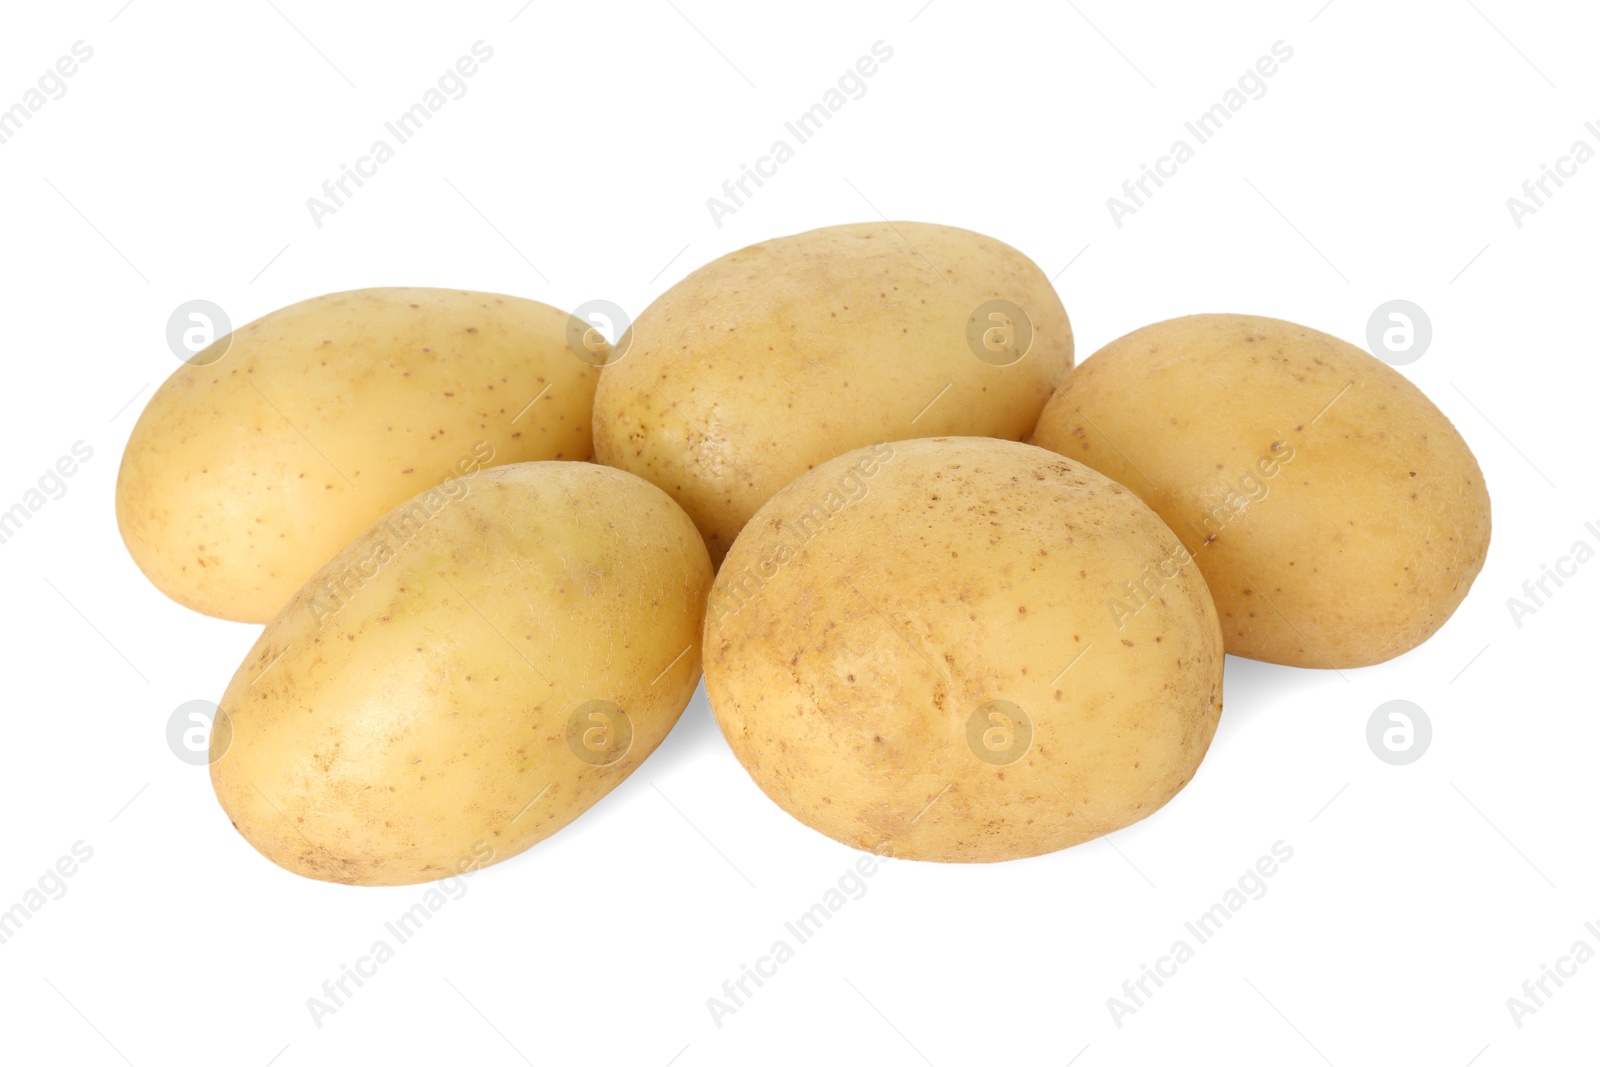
(921, 635)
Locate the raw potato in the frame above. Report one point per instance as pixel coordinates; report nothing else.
(422, 706)
(764, 363)
(1336, 513)
(245, 475)
(872, 613)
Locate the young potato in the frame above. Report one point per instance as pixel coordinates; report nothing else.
(264, 455)
(1336, 513)
(909, 649)
(467, 677)
(764, 363)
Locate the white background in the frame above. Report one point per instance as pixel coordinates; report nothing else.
(1418, 899)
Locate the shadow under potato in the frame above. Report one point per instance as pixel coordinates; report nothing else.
(695, 733)
(1252, 688)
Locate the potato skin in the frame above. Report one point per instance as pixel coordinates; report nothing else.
(409, 709)
(764, 363)
(243, 476)
(871, 607)
(1336, 513)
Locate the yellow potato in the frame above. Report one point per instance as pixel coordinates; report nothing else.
(764, 363)
(909, 649)
(248, 472)
(1336, 513)
(467, 677)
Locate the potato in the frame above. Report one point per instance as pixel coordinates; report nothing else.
(467, 677)
(770, 360)
(248, 470)
(1336, 513)
(909, 649)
